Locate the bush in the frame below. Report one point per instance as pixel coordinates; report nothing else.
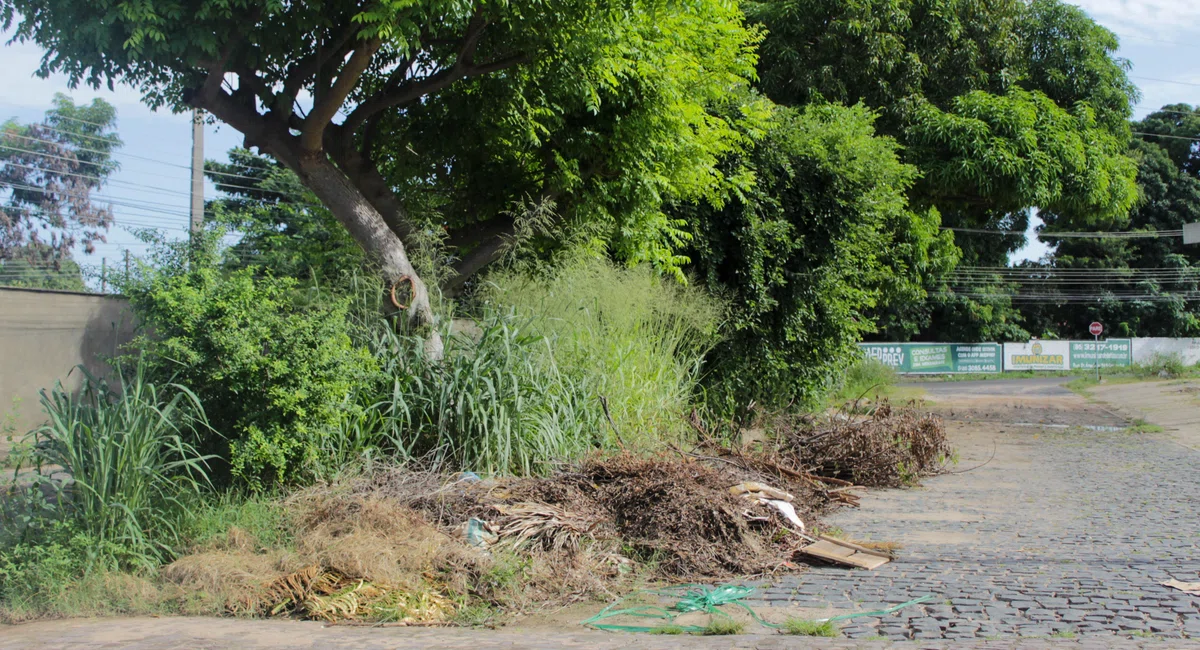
(1161, 365)
(273, 374)
(129, 463)
(809, 254)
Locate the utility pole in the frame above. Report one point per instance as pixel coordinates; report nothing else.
(126, 266)
(103, 275)
(197, 225)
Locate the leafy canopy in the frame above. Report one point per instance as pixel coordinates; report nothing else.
(823, 236)
(454, 110)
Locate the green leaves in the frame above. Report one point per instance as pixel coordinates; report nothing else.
(1018, 150)
(273, 374)
(808, 253)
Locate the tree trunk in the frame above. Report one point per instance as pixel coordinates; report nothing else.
(368, 228)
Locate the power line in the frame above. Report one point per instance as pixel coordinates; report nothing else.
(1169, 137)
(1165, 81)
(1131, 234)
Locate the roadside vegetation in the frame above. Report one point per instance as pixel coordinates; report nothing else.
(406, 377)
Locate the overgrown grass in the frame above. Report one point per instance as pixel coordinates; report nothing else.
(803, 627)
(535, 381)
(105, 496)
(115, 463)
(627, 334)
(865, 378)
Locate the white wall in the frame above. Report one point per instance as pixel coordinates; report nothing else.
(1144, 349)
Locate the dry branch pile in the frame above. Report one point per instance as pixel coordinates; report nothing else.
(888, 448)
(411, 546)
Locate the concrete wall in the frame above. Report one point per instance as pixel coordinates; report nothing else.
(43, 335)
(1144, 349)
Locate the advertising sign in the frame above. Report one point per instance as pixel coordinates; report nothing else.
(935, 357)
(1101, 354)
(1038, 355)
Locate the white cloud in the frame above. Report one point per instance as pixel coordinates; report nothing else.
(19, 86)
(1145, 20)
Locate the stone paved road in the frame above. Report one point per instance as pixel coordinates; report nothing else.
(229, 634)
(1065, 531)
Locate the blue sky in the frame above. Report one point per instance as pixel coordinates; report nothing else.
(1160, 37)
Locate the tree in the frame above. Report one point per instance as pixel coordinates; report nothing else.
(1002, 105)
(1169, 182)
(254, 64)
(282, 225)
(805, 254)
(20, 272)
(50, 171)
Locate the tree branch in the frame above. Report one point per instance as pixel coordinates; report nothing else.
(415, 90)
(487, 245)
(322, 114)
(309, 65)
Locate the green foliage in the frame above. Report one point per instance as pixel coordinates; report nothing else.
(496, 405)
(1021, 149)
(865, 377)
(720, 626)
(126, 450)
(64, 275)
(1001, 106)
(263, 518)
(804, 257)
(1161, 365)
(803, 627)
(606, 106)
(525, 385)
(35, 577)
(627, 334)
(274, 373)
(283, 227)
(1170, 197)
(637, 113)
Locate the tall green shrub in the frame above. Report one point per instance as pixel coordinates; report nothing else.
(273, 374)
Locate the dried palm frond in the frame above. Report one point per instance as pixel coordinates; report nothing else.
(550, 527)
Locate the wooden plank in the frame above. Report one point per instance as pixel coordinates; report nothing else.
(860, 549)
(834, 552)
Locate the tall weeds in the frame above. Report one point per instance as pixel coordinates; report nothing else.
(529, 384)
(117, 463)
(630, 335)
(496, 404)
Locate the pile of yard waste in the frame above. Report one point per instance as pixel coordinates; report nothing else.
(887, 447)
(422, 547)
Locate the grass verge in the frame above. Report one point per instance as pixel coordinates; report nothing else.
(803, 627)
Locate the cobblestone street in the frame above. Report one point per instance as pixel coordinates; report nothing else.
(1066, 531)
(1060, 538)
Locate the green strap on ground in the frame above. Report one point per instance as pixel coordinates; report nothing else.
(703, 598)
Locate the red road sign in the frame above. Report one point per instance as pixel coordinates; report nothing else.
(1096, 329)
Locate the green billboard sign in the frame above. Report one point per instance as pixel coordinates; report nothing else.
(935, 357)
(1101, 354)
